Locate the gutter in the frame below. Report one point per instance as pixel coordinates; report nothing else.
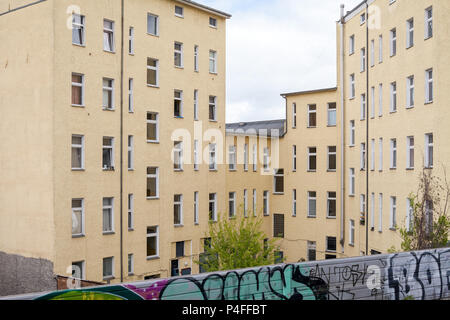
(342, 94)
(121, 135)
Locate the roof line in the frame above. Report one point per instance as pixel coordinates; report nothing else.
(22, 7)
(259, 121)
(308, 91)
(205, 8)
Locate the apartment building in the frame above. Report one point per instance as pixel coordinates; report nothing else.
(103, 100)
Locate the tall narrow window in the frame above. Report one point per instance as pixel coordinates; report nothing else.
(131, 41)
(312, 204)
(362, 208)
(108, 94)
(409, 215)
(380, 100)
(212, 157)
(212, 207)
(196, 208)
(178, 54)
(212, 61)
(178, 104)
(178, 210)
(429, 86)
(231, 204)
(428, 22)
(77, 217)
(380, 49)
(393, 153)
(380, 212)
(372, 102)
(429, 146)
(108, 215)
(152, 127)
(351, 45)
(312, 116)
(363, 106)
(196, 154)
(246, 157)
(352, 182)
(393, 216)
(212, 108)
(372, 155)
(254, 203)
(130, 152)
(152, 242)
(152, 183)
(294, 202)
(332, 159)
(352, 133)
(410, 33)
(130, 211)
(245, 203)
(178, 156)
(152, 72)
(266, 159)
(311, 247)
(232, 158)
(331, 205)
(352, 233)
(363, 156)
(393, 97)
(77, 89)
(312, 159)
(77, 152)
(108, 35)
(196, 104)
(352, 86)
(254, 157)
(393, 34)
(372, 53)
(266, 203)
(380, 154)
(130, 264)
(332, 114)
(363, 59)
(294, 158)
(78, 29)
(278, 181)
(294, 115)
(196, 58)
(410, 152)
(152, 24)
(130, 95)
(410, 92)
(372, 211)
(108, 268)
(108, 153)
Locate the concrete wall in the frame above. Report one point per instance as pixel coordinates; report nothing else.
(420, 275)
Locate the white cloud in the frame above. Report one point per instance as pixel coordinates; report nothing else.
(276, 47)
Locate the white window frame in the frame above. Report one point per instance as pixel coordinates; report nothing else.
(81, 86)
(329, 155)
(130, 264)
(372, 211)
(393, 214)
(130, 217)
(294, 158)
(245, 203)
(213, 105)
(329, 200)
(214, 203)
(312, 154)
(372, 102)
(212, 157)
(156, 70)
(294, 202)
(380, 100)
(363, 156)
(372, 52)
(393, 106)
(410, 92)
(214, 24)
(109, 89)
(312, 197)
(429, 87)
(363, 106)
(409, 215)
(231, 205)
(196, 105)
(212, 61)
(294, 115)
(196, 208)
(196, 155)
(410, 156)
(178, 154)
(352, 86)
(410, 33)
(352, 133)
(180, 100)
(363, 60)
(109, 32)
(81, 26)
(352, 182)
(131, 41)
(278, 173)
(266, 159)
(380, 212)
(130, 152)
(429, 150)
(111, 148)
(154, 235)
(372, 155)
(111, 276)
(393, 42)
(394, 157)
(180, 15)
(178, 52)
(156, 177)
(429, 30)
(78, 146)
(82, 216)
(332, 110)
(180, 211)
(130, 95)
(254, 157)
(380, 154)
(352, 233)
(232, 157)
(312, 111)
(246, 157)
(111, 210)
(351, 44)
(156, 25)
(156, 123)
(380, 48)
(254, 203)
(196, 58)
(266, 203)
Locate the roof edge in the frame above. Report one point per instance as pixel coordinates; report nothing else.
(308, 92)
(205, 8)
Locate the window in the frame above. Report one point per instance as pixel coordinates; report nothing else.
(410, 152)
(178, 104)
(179, 11)
(196, 204)
(352, 86)
(410, 33)
(312, 204)
(78, 270)
(232, 204)
(232, 158)
(312, 116)
(196, 58)
(266, 203)
(352, 233)
(152, 242)
(152, 127)
(108, 153)
(380, 154)
(77, 89)
(179, 249)
(212, 157)
(380, 100)
(363, 156)
(380, 49)
(131, 41)
(372, 211)
(362, 18)
(212, 22)
(278, 225)
(77, 217)
(332, 114)
(278, 181)
(77, 152)
(246, 157)
(331, 244)
(363, 106)
(130, 153)
(108, 35)
(352, 182)
(332, 158)
(372, 102)
(429, 143)
(130, 95)
(195, 104)
(410, 92)
(152, 24)
(294, 202)
(393, 97)
(254, 203)
(429, 217)
(266, 159)
(254, 158)
(294, 115)
(393, 42)
(178, 54)
(152, 182)
(351, 45)
(178, 210)
(212, 61)
(372, 155)
(312, 159)
(130, 264)
(212, 108)
(429, 23)
(363, 60)
(393, 216)
(331, 205)
(212, 207)
(78, 29)
(372, 53)
(196, 157)
(409, 215)
(393, 153)
(130, 211)
(429, 86)
(108, 268)
(362, 209)
(352, 133)
(108, 215)
(152, 72)
(380, 212)
(178, 156)
(294, 158)
(311, 245)
(245, 203)
(108, 94)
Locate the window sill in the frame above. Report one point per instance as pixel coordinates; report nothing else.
(409, 107)
(331, 170)
(153, 142)
(108, 169)
(107, 233)
(213, 27)
(108, 109)
(153, 86)
(429, 102)
(351, 195)
(232, 170)
(311, 127)
(409, 169)
(78, 105)
(178, 117)
(311, 171)
(393, 229)
(153, 258)
(331, 218)
(77, 236)
(178, 225)
(312, 217)
(213, 170)
(331, 126)
(178, 170)
(108, 278)
(214, 73)
(79, 45)
(211, 120)
(351, 245)
(108, 51)
(152, 198)
(154, 35)
(278, 193)
(179, 67)
(78, 170)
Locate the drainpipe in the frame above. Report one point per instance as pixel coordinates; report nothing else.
(342, 22)
(121, 137)
(367, 127)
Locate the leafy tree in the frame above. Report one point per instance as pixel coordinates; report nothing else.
(237, 243)
(430, 222)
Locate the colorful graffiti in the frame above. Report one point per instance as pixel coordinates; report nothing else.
(421, 275)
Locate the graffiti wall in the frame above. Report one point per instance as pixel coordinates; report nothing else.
(423, 275)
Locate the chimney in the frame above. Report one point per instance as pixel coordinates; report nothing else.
(342, 12)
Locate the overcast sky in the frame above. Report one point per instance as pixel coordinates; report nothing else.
(274, 47)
